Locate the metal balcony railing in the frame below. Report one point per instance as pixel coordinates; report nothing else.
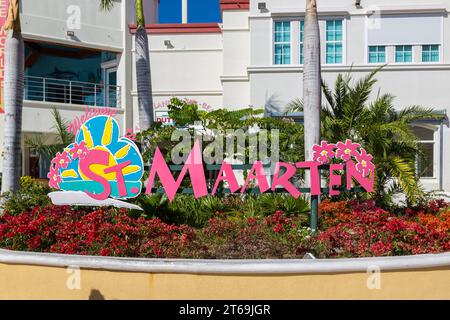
(72, 92)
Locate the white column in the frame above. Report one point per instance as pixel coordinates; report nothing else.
(184, 11)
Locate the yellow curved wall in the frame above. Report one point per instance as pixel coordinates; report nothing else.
(39, 282)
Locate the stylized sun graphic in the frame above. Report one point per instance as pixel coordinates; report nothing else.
(100, 135)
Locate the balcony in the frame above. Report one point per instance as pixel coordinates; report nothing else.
(62, 91)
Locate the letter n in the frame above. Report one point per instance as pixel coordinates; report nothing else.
(366, 183)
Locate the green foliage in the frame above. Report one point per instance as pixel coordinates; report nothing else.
(184, 112)
(185, 209)
(106, 5)
(63, 138)
(384, 132)
(218, 123)
(31, 193)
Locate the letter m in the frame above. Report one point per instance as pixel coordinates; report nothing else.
(194, 164)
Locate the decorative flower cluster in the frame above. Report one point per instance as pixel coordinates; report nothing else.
(130, 135)
(324, 152)
(62, 160)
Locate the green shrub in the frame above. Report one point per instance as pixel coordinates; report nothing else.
(31, 193)
(185, 209)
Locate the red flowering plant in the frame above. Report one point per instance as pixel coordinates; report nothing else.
(348, 230)
(101, 232)
(376, 232)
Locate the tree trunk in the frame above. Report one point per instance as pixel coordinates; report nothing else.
(312, 93)
(13, 92)
(143, 73)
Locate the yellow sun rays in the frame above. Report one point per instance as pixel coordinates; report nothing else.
(107, 132)
(122, 152)
(69, 174)
(87, 137)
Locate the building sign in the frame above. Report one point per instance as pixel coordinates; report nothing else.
(4, 5)
(101, 168)
(164, 118)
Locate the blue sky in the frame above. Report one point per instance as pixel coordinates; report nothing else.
(198, 11)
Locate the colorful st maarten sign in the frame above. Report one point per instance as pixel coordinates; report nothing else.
(101, 168)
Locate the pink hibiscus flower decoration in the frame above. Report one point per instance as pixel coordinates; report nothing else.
(61, 160)
(130, 135)
(346, 150)
(364, 165)
(54, 178)
(323, 152)
(79, 151)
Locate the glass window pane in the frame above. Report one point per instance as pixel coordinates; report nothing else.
(330, 59)
(278, 26)
(277, 59)
(408, 57)
(330, 25)
(435, 57)
(330, 36)
(423, 134)
(425, 163)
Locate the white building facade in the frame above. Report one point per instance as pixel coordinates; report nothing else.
(254, 58)
(78, 56)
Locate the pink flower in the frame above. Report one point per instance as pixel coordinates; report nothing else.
(79, 151)
(54, 178)
(365, 165)
(346, 150)
(61, 160)
(324, 152)
(130, 135)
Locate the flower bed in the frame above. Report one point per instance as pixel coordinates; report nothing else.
(348, 230)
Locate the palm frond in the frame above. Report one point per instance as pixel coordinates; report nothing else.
(405, 173)
(414, 113)
(295, 105)
(61, 127)
(106, 5)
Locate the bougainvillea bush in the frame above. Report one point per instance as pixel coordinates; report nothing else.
(348, 229)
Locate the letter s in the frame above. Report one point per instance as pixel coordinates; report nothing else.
(96, 157)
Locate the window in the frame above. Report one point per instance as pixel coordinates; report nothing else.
(403, 54)
(430, 53)
(425, 163)
(282, 42)
(302, 37)
(377, 54)
(334, 36)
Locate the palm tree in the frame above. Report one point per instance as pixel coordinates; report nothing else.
(311, 78)
(63, 138)
(379, 128)
(311, 93)
(143, 74)
(13, 90)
